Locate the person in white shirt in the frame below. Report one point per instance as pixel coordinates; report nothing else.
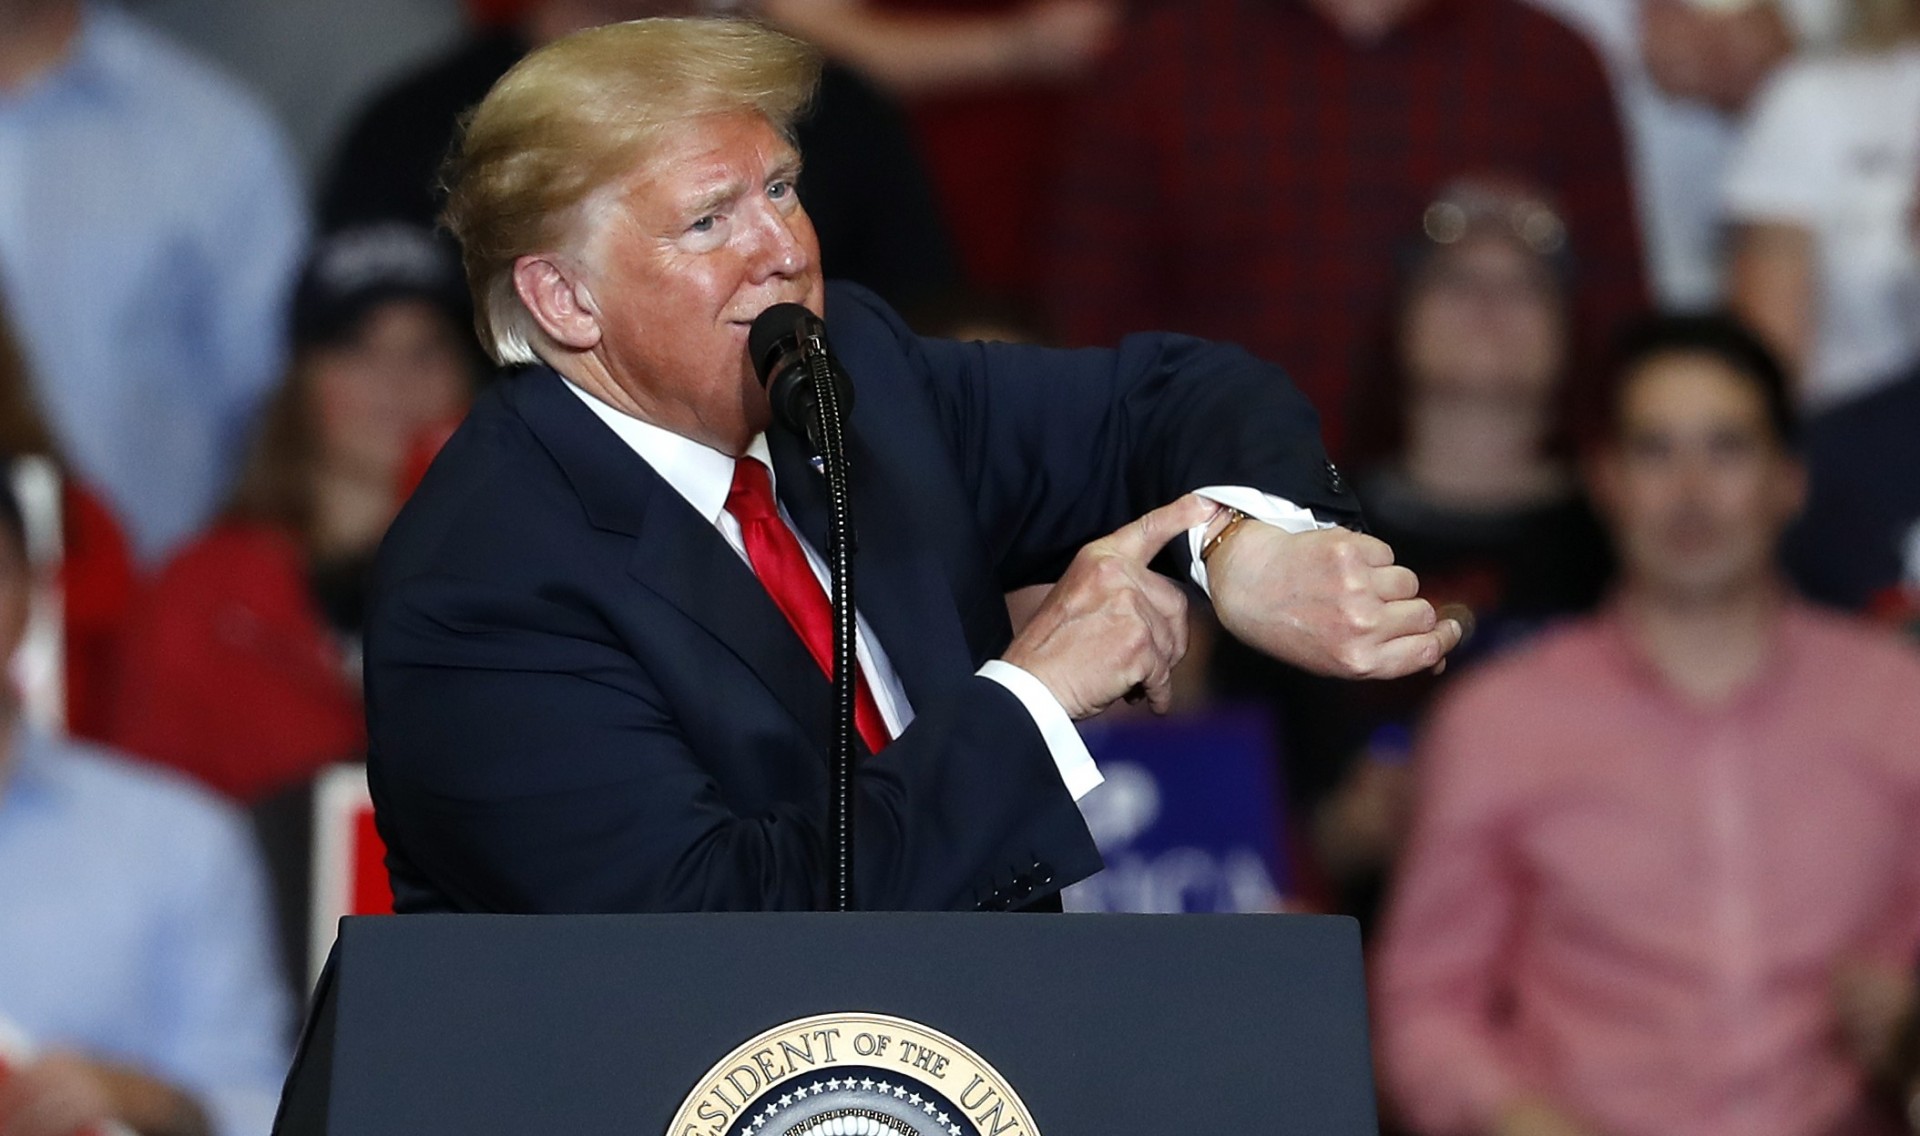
(1683, 72)
(1821, 191)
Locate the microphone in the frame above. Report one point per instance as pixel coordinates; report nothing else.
(810, 396)
(788, 346)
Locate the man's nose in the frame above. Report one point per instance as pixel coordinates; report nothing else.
(783, 249)
(1693, 474)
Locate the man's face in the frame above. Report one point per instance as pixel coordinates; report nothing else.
(398, 374)
(685, 254)
(1696, 486)
(1483, 321)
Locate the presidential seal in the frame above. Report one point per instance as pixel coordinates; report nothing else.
(852, 1075)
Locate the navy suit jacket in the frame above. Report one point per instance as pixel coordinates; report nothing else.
(580, 698)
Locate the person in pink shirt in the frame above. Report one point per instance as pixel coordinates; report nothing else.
(1664, 875)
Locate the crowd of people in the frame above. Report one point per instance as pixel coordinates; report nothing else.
(1610, 310)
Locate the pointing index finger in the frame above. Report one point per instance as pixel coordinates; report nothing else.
(1139, 540)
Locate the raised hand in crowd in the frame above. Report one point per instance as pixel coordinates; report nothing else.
(918, 53)
(1716, 57)
(1062, 38)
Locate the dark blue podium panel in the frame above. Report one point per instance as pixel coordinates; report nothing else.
(1104, 1025)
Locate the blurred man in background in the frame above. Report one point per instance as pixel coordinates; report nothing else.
(135, 950)
(1684, 72)
(1819, 196)
(150, 230)
(1663, 862)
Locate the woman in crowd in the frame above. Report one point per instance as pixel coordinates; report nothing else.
(1463, 463)
(1822, 193)
(242, 666)
(95, 578)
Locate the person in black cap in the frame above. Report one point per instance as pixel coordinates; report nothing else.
(242, 668)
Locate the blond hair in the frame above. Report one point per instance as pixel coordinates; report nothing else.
(582, 113)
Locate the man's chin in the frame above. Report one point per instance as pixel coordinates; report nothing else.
(1702, 583)
(755, 411)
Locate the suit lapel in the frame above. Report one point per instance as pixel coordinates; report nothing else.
(677, 554)
(899, 584)
(689, 564)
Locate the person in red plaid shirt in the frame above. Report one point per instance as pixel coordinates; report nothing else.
(1243, 169)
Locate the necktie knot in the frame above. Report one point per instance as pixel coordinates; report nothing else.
(751, 497)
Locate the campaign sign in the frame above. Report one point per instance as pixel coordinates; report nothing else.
(1189, 817)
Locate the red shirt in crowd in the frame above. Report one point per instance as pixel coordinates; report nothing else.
(230, 671)
(1242, 171)
(97, 590)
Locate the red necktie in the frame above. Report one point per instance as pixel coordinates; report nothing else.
(781, 564)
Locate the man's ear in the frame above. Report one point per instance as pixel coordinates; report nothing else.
(559, 301)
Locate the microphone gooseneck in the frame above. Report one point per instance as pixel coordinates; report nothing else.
(810, 397)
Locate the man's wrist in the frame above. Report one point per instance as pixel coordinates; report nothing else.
(1258, 506)
(1219, 530)
(151, 1106)
(1534, 1116)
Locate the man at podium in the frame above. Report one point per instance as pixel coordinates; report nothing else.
(596, 655)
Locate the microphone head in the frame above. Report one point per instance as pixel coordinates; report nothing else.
(774, 332)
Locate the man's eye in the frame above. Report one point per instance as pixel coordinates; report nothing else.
(704, 224)
(779, 189)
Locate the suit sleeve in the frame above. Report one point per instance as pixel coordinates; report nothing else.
(525, 761)
(1060, 447)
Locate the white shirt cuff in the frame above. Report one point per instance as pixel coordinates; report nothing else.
(1277, 511)
(1070, 754)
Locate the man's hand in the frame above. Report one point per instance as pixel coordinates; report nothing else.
(1332, 602)
(62, 1094)
(1718, 58)
(1536, 1118)
(1063, 38)
(1358, 829)
(1111, 623)
(1873, 1002)
(58, 1095)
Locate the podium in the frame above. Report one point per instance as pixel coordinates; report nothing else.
(1084, 1025)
